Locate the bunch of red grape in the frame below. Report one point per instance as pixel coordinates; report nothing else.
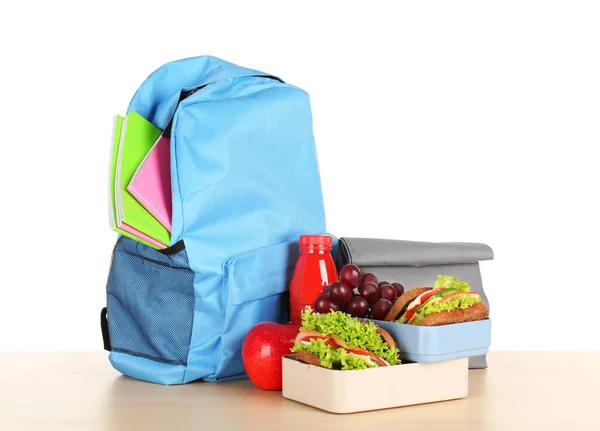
(359, 295)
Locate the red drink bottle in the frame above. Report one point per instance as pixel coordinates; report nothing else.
(314, 270)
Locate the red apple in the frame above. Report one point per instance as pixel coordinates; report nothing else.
(262, 350)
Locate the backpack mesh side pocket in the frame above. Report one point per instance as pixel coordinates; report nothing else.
(150, 302)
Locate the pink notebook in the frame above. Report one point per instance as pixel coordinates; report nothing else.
(151, 183)
(133, 231)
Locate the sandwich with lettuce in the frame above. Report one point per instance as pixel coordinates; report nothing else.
(448, 301)
(336, 340)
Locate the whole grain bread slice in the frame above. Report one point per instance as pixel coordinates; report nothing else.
(309, 358)
(387, 337)
(476, 312)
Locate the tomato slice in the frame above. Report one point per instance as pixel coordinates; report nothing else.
(307, 335)
(314, 335)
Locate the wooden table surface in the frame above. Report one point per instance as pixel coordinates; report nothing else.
(81, 391)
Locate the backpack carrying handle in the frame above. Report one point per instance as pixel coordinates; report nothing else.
(157, 103)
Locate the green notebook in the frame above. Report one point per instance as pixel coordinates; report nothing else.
(130, 232)
(137, 136)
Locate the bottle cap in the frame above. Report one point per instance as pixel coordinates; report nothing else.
(315, 240)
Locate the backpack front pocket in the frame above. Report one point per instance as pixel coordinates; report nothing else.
(150, 302)
(255, 289)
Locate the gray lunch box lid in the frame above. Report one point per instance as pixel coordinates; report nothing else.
(390, 252)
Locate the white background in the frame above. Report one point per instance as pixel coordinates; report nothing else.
(435, 121)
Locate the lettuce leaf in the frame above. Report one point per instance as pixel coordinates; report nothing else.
(437, 297)
(334, 358)
(353, 362)
(449, 281)
(458, 301)
(353, 331)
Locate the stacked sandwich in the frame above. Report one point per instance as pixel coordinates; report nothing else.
(337, 340)
(448, 301)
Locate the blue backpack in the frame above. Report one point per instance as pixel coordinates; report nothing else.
(245, 185)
